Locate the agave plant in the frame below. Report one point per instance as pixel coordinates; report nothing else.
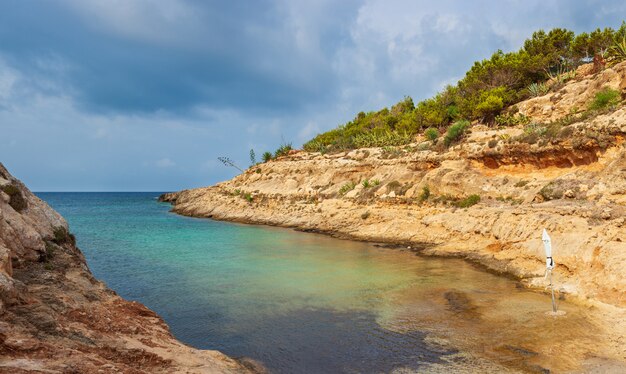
(267, 156)
(538, 89)
(617, 52)
(561, 74)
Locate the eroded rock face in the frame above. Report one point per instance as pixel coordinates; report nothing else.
(56, 317)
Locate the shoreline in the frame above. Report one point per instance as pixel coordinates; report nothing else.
(418, 248)
(530, 272)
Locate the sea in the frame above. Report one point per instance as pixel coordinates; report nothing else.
(300, 302)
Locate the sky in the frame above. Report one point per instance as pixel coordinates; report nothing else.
(144, 95)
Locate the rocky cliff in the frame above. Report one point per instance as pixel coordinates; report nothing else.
(485, 199)
(55, 317)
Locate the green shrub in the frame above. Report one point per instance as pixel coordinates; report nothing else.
(283, 150)
(376, 182)
(391, 152)
(509, 199)
(507, 119)
(425, 194)
(431, 134)
(381, 139)
(606, 98)
(489, 107)
(455, 132)
(48, 253)
(267, 156)
(468, 201)
(315, 146)
(366, 183)
(11, 190)
(62, 236)
(346, 188)
(248, 197)
(16, 199)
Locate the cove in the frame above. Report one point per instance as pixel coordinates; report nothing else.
(306, 303)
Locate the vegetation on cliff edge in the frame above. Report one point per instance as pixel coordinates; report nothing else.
(546, 61)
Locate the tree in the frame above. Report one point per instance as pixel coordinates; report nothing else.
(586, 46)
(553, 46)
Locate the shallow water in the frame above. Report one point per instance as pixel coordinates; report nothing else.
(299, 302)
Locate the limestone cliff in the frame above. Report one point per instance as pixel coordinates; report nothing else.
(55, 317)
(572, 183)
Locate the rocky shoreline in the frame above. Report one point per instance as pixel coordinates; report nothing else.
(486, 199)
(498, 233)
(55, 317)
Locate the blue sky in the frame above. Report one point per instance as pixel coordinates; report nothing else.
(125, 95)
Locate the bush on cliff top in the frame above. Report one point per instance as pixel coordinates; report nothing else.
(487, 88)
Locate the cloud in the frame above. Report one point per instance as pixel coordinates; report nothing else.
(145, 56)
(94, 95)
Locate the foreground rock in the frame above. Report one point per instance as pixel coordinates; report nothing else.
(55, 317)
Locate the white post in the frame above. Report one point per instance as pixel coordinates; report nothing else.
(547, 243)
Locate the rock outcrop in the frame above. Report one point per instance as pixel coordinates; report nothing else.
(55, 317)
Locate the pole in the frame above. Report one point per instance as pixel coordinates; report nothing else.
(547, 242)
(552, 291)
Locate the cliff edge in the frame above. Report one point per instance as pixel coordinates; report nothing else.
(55, 317)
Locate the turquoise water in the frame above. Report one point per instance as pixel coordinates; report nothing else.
(296, 302)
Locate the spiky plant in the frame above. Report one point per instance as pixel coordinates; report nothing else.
(538, 89)
(267, 156)
(283, 150)
(617, 52)
(561, 74)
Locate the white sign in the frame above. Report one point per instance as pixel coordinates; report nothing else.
(547, 243)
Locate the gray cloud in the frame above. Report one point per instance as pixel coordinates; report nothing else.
(144, 95)
(147, 55)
